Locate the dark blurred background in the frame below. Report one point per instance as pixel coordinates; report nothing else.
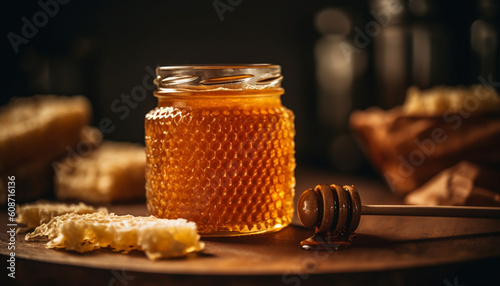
(336, 56)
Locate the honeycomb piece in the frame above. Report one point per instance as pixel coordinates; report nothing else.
(38, 125)
(228, 168)
(441, 99)
(36, 131)
(112, 172)
(158, 238)
(35, 214)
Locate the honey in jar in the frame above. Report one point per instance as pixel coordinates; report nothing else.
(220, 149)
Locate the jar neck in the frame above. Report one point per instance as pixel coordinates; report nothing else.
(214, 98)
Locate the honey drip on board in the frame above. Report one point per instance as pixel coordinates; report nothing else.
(229, 166)
(327, 241)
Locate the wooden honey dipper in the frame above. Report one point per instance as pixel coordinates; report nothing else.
(337, 210)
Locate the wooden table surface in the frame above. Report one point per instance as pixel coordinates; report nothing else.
(386, 251)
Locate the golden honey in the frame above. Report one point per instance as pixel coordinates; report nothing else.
(222, 153)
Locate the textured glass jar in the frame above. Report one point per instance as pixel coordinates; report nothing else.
(220, 149)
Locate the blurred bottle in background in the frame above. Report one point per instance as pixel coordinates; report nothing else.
(484, 41)
(391, 53)
(340, 67)
(412, 49)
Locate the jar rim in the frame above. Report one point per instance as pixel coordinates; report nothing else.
(218, 66)
(218, 76)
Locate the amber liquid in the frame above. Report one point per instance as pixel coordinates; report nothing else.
(226, 163)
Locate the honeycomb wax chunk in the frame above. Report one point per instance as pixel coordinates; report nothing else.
(158, 238)
(35, 214)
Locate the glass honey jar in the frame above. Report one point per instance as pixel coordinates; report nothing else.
(220, 149)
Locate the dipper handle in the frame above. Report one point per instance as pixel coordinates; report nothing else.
(337, 209)
(436, 211)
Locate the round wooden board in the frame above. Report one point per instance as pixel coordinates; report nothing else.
(382, 244)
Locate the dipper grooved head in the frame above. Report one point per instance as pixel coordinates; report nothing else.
(330, 208)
